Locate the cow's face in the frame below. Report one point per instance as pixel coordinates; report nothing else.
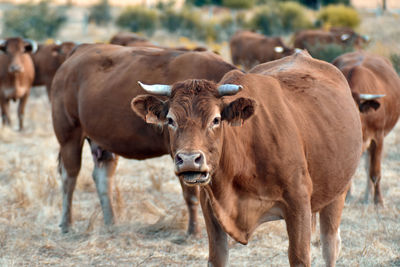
(14, 49)
(195, 115)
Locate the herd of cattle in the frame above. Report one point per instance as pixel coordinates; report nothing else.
(279, 141)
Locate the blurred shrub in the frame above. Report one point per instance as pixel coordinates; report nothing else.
(294, 17)
(280, 18)
(35, 21)
(339, 15)
(328, 52)
(266, 20)
(238, 4)
(229, 24)
(395, 58)
(100, 13)
(138, 19)
(188, 23)
(203, 2)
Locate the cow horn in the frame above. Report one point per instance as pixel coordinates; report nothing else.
(370, 96)
(366, 38)
(33, 44)
(229, 89)
(158, 89)
(278, 49)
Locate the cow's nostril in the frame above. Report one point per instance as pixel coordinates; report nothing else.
(178, 160)
(198, 159)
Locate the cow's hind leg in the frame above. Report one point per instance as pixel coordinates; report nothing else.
(375, 157)
(5, 107)
(21, 110)
(330, 233)
(69, 167)
(191, 196)
(105, 164)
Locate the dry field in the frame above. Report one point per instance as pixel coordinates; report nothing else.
(151, 212)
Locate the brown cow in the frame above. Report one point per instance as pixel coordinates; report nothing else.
(91, 95)
(308, 39)
(370, 74)
(295, 154)
(47, 60)
(249, 49)
(125, 38)
(16, 75)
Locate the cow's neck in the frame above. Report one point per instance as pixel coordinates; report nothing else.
(235, 188)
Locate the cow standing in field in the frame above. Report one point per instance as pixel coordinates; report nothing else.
(47, 60)
(308, 39)
(249, 49)
(369, 74)
(297, 146)
(16, 75)
(91, 95)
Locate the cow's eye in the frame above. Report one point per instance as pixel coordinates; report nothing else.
(216, 121)
(170, 122)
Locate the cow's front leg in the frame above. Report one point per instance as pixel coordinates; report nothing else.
(298, 224)
(21, 110)
(191, 196)
(5, 107)
(218, 252)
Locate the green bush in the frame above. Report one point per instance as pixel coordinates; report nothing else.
(229, 24)
(267, 21)
(138, 19)
(188, 23)
(395, 58)
(328, 52)
(35, 21)
(294, 17)
(339, 15)
(280, 18)
(100, 13)
(238, 4)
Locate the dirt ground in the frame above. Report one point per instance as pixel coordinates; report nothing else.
(152, 216)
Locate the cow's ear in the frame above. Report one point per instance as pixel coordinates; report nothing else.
(150, 108)
(239, 110)
(368, 105)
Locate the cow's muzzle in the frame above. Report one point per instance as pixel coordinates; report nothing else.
(15, 68)
(191, 167)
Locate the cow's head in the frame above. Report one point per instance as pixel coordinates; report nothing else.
(61, 50)
(195, 113)
(366, 102)
(14, 48)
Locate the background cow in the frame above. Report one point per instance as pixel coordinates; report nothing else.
(371, 74)
(47, 60)
(298, 147)
(249, 49)
(91, 95)
(127, 38)
(307, 39)
(16, 75)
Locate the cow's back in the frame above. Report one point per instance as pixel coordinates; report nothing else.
(95, 85)
(314, 119)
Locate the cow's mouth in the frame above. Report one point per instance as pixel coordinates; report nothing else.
(195, 178)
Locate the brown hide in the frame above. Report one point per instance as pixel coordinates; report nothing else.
(47, 60)
(125, 38)
(306, 39)
(371, 74)
(249, 49)
(295, 156)
(91, 95)
(16, 76)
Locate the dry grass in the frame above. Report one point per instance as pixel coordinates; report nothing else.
(151, 212)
